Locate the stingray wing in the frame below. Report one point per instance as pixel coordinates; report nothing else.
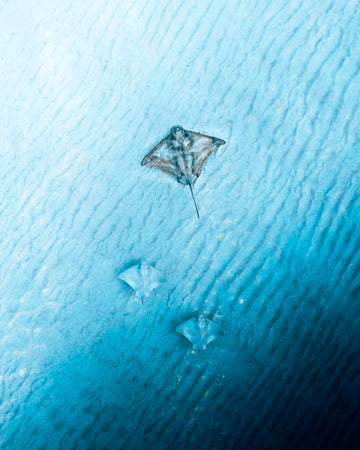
(163, 157)
(210, 333)
(132, 277)
(201, 149)
(190, 330)
(152, 278)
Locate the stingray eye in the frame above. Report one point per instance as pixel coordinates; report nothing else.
(177, 131)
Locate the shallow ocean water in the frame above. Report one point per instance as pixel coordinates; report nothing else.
(86, 91)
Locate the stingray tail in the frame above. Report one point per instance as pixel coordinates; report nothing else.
(192, 194)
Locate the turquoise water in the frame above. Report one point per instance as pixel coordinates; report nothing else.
(86, 91)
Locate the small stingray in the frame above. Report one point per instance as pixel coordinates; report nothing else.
(200, 331)
(183, 154)
(143, 278)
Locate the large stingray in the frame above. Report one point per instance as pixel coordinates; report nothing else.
(183, 154)
(143, 278)
(200, 331)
